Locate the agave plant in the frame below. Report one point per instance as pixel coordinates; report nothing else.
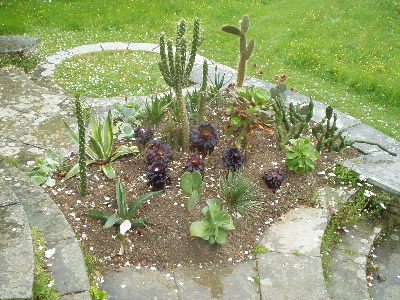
(100, 148)
(274, 178)
(123, 213)
(159, 151)
(158, 175)
(204, 137)
(232, 159)
(194, 163)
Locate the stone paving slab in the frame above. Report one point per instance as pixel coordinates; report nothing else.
(67, 264)
(347, 262)
(77, 296)
(10, 45)
(16, 251)
(368, 133)
(300, 231)
(143, 284)
(380, 168)
(238, 281)
(69, 276)
(288, 276)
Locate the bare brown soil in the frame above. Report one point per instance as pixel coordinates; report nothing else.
(166, 242)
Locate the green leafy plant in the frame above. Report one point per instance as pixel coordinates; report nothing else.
(48, 165)
(192, 184)
(238, 190)
(124, 215)
(245, 49)
(301, 156)
(126, 115)
(155, 110)
(291, 124)
(100, 148)
(259, 249)
(214, 226)
(248, 111)
(177, 66)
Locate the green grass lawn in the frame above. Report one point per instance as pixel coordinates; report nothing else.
(341, 52)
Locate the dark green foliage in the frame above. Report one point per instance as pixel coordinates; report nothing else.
(238, 191)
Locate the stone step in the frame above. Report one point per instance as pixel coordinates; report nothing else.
(67, 265)
(292, 268)
(347, 262)
(16, 251)
(31, 118)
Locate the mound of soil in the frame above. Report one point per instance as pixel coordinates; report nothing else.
(165, 242)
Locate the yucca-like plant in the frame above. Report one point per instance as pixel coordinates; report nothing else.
(239, 192)
(100, 148)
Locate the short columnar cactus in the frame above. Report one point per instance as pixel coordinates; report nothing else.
(204, 137)
(232, 159)
(274, 178)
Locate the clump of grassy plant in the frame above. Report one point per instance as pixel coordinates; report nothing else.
(43, 288)
(239, 192)
(25, 61)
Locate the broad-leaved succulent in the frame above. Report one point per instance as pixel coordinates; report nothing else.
(144, 135)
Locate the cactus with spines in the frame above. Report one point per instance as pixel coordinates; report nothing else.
(290, 125)
(201, 104)
(176, 67)
(81, 119)
(245, 49)
(326, 132)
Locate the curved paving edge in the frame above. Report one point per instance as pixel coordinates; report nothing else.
(67, 265)
(381, 168)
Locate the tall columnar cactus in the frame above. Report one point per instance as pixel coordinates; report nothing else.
(176, 67)
(80, 116)
(245, 49)
(202, 95)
